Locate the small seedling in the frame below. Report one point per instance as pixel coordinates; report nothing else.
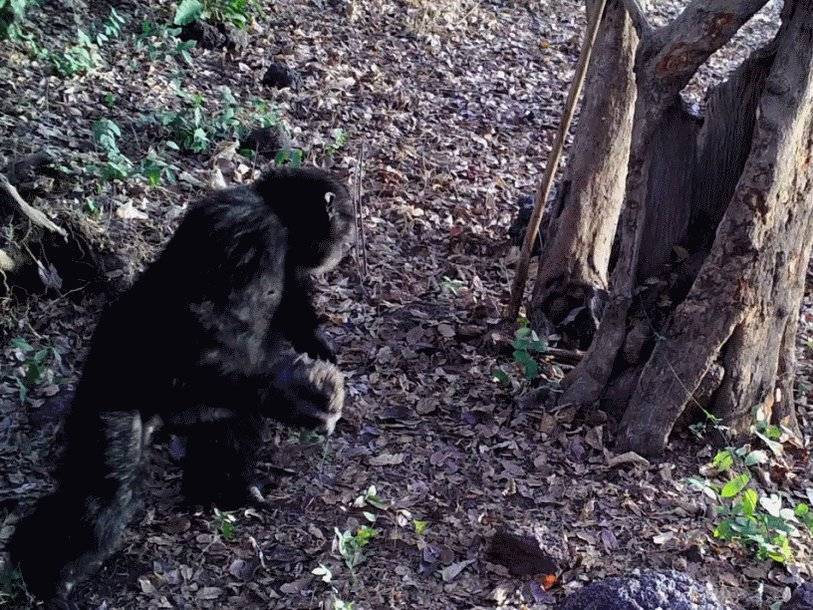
(117, 165)
(77, 59)
(34, 366)
(226, 524)
(370, 497)
(111, 28)
(526, 343)
(420, 527)
(292, 157)
(351, 545)
(338, 142)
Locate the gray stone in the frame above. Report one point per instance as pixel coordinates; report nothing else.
(648, 590)
(802, 598)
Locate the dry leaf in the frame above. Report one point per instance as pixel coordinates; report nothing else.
(386, 459)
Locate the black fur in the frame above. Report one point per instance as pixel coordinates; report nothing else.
(211, 338)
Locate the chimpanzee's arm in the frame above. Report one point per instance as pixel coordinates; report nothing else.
(296, 318)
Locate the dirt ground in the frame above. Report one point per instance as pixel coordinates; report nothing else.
(449, 109)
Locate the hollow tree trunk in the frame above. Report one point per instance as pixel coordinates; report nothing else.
(716, 233)
(571, 285)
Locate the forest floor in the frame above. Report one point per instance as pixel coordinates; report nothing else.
(449, 109)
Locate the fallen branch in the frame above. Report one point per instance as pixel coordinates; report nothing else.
(12, 197)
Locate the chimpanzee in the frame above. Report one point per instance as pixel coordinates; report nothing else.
(218, 332)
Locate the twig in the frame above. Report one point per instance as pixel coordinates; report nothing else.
(361, 239)
(359, 213)
(565, 355)
(518, 288)
(33, 214)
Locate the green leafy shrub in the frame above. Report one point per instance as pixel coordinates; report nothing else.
(761, 521)
(161, 42)
(238, 13)
(351, 545)
(78, 59)
(35, 366)
(526, 343)
(111, 28)
(117, 166)
(193, 129)
(12, 12)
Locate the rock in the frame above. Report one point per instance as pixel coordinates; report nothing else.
(802, 598)
(266, 141)
(279, 76)
(649, 590)
(524, 553)
(206, 35)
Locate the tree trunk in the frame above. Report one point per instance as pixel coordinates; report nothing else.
(571, 285)
(715, 236)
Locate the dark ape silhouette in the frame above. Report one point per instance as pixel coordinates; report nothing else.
(216, 334)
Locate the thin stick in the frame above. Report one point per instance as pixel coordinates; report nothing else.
(361, 240)
(359, 212)
(518, 288)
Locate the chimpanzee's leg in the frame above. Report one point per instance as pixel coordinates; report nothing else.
(221, 460)
(72, 531)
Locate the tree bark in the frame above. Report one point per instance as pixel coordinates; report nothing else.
(749, 290)
(573, 267)
(665, 61)
(715, 235)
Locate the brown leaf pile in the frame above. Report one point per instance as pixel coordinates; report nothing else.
(449, 108)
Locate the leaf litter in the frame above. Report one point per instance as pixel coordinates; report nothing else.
(453, 105)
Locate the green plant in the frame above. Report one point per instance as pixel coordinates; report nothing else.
(187, 125)
(338, 142)
(12, 588)
(117, 166)
(161, 41)
(292, 157)
(111, 28)
(370, 497)
(91, 207)
(226, 524)
(78, 59)
(450, 286)
(526, 342)
(234, 12)
(12, 12)
(155, 169)
(339, 604)
(750, 516)
(351, 545)
(187, 12)
(34, 366)
(264, 114)
(109, 100)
